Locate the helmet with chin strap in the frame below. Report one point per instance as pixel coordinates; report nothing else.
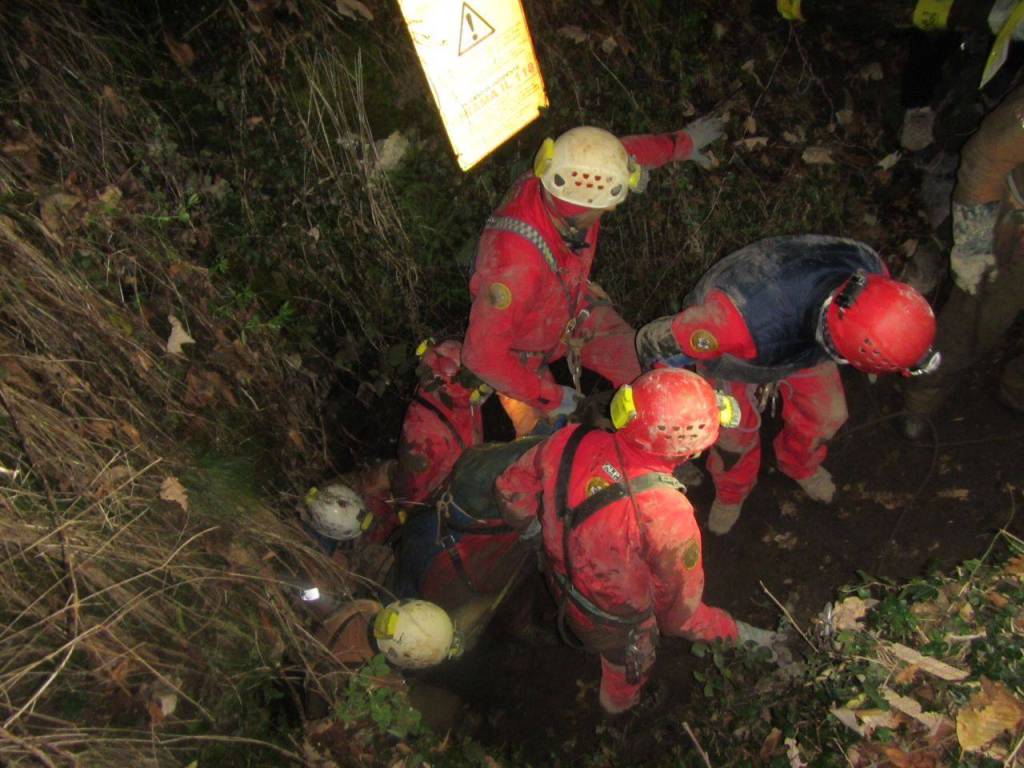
(589, 167)
(337, 512)
(879, 325)
(671, 412)
(415, 634)
(442, 361)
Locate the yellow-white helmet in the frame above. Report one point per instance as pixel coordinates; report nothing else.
(414, 634)
(587, 166)
(337, 512)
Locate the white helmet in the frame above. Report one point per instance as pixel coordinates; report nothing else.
(414, 634)
(337, 512)
(587, 166)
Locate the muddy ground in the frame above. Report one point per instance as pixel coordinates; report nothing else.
(902, 508)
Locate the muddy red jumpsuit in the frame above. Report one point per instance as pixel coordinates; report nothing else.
(443, 419)
(751, 324)
(529, 284)
(636, 564)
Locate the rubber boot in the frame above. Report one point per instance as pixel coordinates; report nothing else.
(723, 517)
(819, 486)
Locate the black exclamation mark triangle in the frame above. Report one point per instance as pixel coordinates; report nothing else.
(473, 29)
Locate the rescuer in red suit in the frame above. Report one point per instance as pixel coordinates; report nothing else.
(533, 302)
(777, 317)
(443, 419)
(621, 548)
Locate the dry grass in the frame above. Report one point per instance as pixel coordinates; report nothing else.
(114, 601)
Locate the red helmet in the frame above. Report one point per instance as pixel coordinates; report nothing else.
(880, 326)
(668, 412)
(442, 361)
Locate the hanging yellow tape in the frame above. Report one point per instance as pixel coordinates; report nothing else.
(932, 14)
(789, 10)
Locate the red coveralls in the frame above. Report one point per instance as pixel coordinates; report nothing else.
(813, 403)
(522, 309)
(637, 559)
(440, 423)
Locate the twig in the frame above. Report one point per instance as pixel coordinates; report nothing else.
(788, 616)
(693, 738)
(1010, 758)
(37, 753)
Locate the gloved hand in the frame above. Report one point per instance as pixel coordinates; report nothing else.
(531, 531)
(697, 135)
(655, 341)
(972, 258)
(763, 638)
(570, 399)
(748, 633)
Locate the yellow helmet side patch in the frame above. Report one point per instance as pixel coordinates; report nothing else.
(623, 410)
(385, 624)
(546, 153)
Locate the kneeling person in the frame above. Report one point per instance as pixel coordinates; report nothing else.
(621, 547)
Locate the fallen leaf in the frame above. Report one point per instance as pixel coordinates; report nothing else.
(876, 718)
(390, 151)
(890, 160)
(573, 33)
(844, 117)
(818, 156)
(909, 247)
(1015, 567)
(181, 53)
(933, 721)
(796, 136)
(129, 433)
(113, 99)
(960, 494)
(178, 338)
(54, 210)
(848, 613)
(848, 718)
(754, 142)
(872, 71)
(793, 753)
(926, 663)
(351, 7)
(171, 489)
(750, 125)
(295, 438)
(608, 44)
(770, 744)
(990, 712)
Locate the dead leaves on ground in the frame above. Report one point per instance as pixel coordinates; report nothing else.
(172, 490)
(991, 712)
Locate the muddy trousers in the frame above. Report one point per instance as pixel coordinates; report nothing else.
(971, 326)
(813, 409)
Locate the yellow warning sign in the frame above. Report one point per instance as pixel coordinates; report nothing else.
(474, 29)
(482, 69)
